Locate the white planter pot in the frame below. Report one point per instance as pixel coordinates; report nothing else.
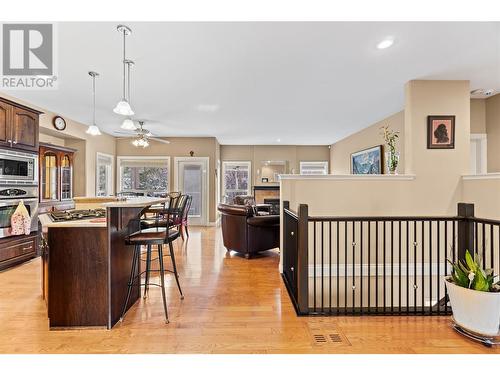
(476, 311)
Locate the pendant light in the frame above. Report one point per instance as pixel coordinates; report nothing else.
(128, 124)
(123, 106)
(93, 129)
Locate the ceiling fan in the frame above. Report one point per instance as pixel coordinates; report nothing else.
(142, 136)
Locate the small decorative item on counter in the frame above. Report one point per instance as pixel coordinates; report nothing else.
(20, 221)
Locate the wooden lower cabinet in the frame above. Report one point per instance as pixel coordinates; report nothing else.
(17, 249)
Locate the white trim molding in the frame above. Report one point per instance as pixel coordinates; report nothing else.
(485, 176)
(341, 177)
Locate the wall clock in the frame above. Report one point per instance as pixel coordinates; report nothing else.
(59, 123)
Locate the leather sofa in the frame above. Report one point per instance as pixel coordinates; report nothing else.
(246, 232)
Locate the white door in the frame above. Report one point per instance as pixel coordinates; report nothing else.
(191, 177)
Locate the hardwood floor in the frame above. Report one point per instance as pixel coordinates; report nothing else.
(232, 305)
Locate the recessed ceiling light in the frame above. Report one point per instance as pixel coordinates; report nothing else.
(278, 140)
(207, 107)
(386, 43)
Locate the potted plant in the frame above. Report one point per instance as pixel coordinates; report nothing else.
(392, 156)
(474, 296)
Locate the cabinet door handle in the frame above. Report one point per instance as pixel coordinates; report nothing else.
(27, 248)
(15, 142)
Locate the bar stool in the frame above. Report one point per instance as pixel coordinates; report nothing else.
(149, 237)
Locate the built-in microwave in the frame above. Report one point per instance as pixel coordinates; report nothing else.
(18, 168)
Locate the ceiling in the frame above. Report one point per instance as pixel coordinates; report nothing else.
(255, 83)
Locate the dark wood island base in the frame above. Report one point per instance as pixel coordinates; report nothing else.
(86, 269)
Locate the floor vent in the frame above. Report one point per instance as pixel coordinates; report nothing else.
(320, 339)
(335, 337)
(323, 332)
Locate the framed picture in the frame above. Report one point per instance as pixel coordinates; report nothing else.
(440, 132)
(367, 161)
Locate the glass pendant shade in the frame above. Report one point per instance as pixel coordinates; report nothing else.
(93, 130)
(128, 124)
(123, 108)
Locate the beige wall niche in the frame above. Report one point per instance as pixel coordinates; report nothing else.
(257, 154)
(340, 152)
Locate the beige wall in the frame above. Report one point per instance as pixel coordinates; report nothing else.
(340, 152)
(202, 147)
(436, 187)
(88, 146)
(493, 132)
(478, 116)
(485, 194)
(256, 154)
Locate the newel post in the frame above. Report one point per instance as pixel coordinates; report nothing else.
(465, 229)
(303, 259)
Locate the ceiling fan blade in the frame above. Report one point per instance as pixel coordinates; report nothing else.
(131, 133)
(160, 140)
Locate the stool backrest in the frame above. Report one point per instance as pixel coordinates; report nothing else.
(187, 207)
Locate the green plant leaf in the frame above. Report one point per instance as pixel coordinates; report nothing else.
(470, 262)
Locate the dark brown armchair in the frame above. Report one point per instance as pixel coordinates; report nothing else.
(247, 233)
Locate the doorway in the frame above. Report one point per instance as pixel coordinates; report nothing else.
(191, 177)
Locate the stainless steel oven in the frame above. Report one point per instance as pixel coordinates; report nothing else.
(9, 200)
(18, 168)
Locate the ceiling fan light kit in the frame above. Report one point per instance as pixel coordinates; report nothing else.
(128, 124)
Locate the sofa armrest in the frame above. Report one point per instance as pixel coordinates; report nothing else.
(264, 221)
(232, 209)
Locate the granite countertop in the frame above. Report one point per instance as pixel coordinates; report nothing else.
(135, 202)
(47, 222)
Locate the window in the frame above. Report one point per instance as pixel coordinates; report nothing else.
(104, 175)
(236, 177)
(478, 154)
(143, 174)
(314, 167)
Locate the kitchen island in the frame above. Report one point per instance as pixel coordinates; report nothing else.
(87, 265)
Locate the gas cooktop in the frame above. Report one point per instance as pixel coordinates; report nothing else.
(71, 215)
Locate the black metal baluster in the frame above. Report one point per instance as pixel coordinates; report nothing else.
(361, 265)
(407, 266)
(492, 260)
(423, 269)
(376, 266)
(338, 268)
(476, 239)
(369, 265)
(455, 223)
(330, 268)
(415, 267)
(399, 261)
(392, 267)
(345, 268)
(383, 263)
(353, 288)
(315, 265)
(430, 266)
(483, 225)
(445, 265)
(438, 267)
(322, 268)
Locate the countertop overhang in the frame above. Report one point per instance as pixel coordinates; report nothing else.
(141, 202)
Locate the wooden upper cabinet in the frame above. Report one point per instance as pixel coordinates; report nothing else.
(18, 126)
(25, 129)
(5, 113)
